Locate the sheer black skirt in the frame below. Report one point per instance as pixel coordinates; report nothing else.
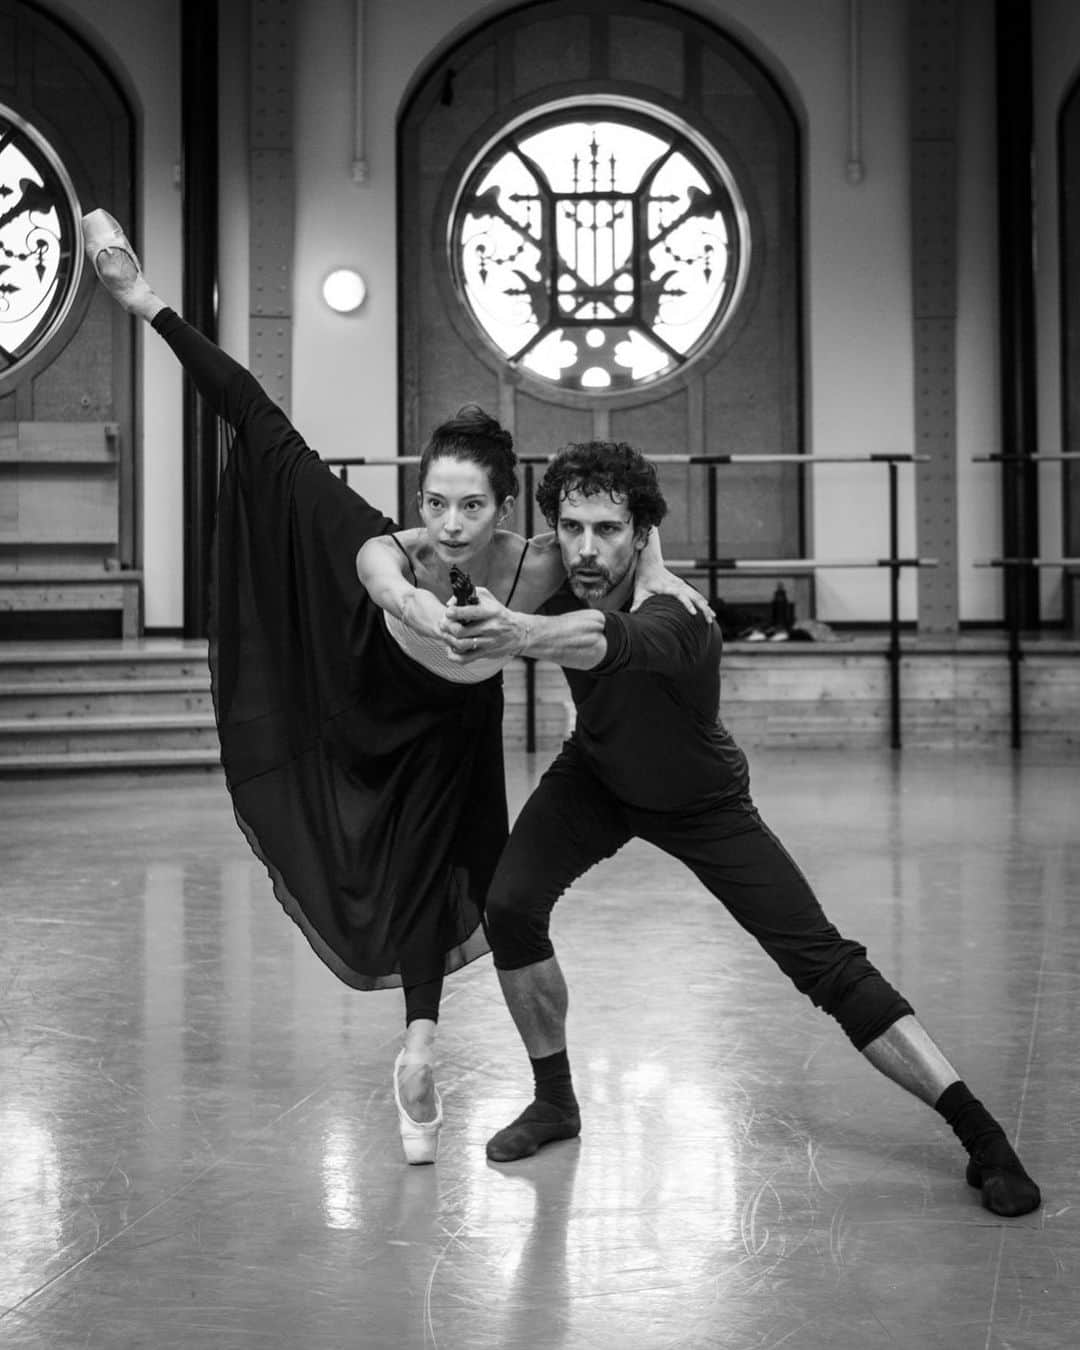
(372, 791)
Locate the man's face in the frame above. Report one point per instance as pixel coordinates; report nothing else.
(599, 546)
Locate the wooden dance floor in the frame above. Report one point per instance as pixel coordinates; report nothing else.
(198, 1145)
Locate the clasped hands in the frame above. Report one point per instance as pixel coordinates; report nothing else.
(482, 631)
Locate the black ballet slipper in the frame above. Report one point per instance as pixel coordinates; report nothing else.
(539, 1124)
(1006, 1188)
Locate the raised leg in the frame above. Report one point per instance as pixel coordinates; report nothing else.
(117, 267)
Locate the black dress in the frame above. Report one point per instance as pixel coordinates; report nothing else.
(372, 790)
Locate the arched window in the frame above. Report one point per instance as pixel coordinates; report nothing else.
(40, 242)
(599, 238)
(599, 246)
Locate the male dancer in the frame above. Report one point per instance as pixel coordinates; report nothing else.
(649, 759)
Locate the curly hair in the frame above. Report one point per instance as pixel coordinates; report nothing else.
(613, 467)
(475, 435)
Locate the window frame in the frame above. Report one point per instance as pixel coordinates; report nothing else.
(52, 335)
(723, 159)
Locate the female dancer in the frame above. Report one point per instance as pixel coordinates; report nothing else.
(365, 767)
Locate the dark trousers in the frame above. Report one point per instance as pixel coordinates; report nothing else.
(572, 821)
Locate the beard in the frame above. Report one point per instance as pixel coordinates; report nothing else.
(593, 583)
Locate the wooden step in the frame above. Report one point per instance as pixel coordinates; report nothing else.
(97, 698)
(64, 735)
(89, 761)
(78, 662)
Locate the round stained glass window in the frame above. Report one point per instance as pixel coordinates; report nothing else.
(40, 242)
(599, 247)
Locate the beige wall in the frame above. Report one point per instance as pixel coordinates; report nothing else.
(857, 274)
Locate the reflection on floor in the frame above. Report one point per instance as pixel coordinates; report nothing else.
(197, 1143)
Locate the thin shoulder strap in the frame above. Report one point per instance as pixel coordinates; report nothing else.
(517, 574)
(401, 546)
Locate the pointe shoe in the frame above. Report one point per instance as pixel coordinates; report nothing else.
(419, 1138)
(100, 231)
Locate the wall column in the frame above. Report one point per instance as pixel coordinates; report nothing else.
(1016, 287)
(199, 175)
(934, 46)
(273, 194)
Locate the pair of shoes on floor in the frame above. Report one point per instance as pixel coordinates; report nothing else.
(100, 232)
(419, 1138)
(764, 635)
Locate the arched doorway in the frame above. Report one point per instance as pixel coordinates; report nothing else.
(636, 133)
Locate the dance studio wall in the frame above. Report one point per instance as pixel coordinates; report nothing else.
(857, 276)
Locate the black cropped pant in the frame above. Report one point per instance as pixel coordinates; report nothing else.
(572, 821)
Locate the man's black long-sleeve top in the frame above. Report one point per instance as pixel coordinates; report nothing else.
(647, 715)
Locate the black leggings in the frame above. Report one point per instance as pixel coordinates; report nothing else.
(571, 822)
(422, 1000)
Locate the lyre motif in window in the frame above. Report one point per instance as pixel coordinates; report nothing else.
(599, 249)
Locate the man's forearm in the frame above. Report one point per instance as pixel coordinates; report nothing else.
(575, 640)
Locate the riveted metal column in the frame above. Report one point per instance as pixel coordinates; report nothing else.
(1016, 285)
(272, 196)
(1069, 237)
(934, 44)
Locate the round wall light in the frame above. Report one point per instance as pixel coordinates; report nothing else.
(344, 290)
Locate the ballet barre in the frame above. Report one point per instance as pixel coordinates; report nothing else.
(772, 566)
(714, 565)
(1026, 459)
(1010, 568)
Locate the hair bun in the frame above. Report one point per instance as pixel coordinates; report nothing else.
(471, 419)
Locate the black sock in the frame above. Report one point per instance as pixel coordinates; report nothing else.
(553, 1082)
(971, 1122)
(994, 1168)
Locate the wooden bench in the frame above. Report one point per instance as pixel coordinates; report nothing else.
(62, 495)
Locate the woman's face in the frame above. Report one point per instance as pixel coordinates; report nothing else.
(458, 509)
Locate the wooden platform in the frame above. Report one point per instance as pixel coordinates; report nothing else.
(146, 704)
(835, 695)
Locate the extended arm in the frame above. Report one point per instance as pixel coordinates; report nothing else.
(380, 565)
(663, 638)
(576, 639)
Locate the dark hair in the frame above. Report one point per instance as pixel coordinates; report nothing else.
(613, 467)
(472, 434)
